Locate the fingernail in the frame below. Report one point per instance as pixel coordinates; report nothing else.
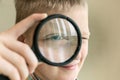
(45, 14)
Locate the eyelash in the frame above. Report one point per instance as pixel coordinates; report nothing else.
(84, 38)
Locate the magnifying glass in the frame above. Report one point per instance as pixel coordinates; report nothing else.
(56, 41)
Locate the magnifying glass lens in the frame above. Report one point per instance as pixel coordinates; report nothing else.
(57, 40)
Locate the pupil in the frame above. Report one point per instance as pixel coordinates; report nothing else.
(56, 37)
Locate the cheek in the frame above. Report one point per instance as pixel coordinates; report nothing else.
(84, 49)
(29, 35)
(29, 39)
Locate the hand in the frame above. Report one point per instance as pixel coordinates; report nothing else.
(17, 60)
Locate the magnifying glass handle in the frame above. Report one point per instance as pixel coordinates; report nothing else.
(2, 77)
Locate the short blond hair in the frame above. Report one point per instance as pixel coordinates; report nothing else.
(25, 8)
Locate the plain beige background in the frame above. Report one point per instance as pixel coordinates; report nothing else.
(103, 61)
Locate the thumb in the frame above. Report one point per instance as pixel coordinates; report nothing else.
(25, 24)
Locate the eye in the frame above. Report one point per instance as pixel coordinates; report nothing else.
(53, 37)
(84, 38)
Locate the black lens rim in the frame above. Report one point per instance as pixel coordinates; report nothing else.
(38, 54)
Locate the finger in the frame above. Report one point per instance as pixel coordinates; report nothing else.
(25, 24)
(8, 70)
(17, 61)
(25, 51)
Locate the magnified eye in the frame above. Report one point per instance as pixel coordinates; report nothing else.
(53, 37)
(56, 37)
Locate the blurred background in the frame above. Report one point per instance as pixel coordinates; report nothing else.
(103, 61)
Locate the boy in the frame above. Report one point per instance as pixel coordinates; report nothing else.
(19, 59)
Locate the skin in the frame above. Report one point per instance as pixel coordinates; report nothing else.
(47, 72)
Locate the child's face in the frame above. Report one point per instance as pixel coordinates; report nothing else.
(47, 72)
